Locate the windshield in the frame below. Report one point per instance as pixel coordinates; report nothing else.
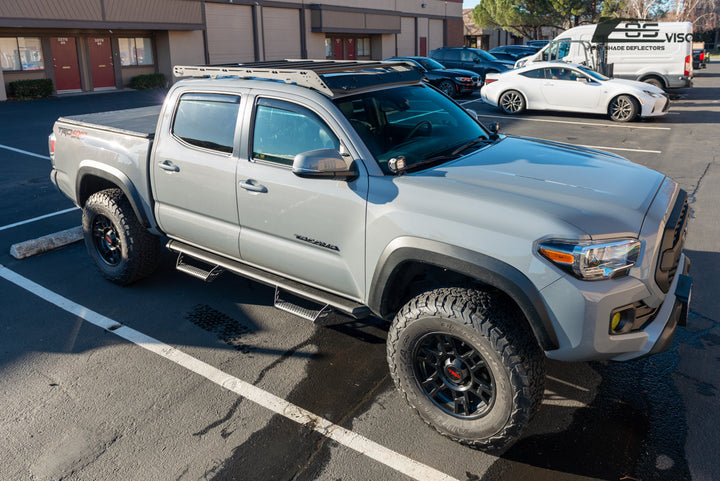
(415, 123)
(430, 64)
(593, 74)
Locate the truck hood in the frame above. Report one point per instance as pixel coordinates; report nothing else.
(602, 194)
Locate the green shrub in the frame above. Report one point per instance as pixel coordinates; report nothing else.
(31, 89)
(150, 81)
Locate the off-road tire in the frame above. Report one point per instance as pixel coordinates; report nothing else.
(448, 88)
(488, 323)
(122, 249)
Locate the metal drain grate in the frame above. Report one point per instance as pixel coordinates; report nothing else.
(228, 330)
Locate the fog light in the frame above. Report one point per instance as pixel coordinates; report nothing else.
(622, 320)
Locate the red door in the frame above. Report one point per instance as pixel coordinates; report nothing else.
(423, 46)
(338, 48)
(350, 48)
(101, 64)
(65, 63)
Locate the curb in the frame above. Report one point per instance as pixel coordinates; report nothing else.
(46, 243)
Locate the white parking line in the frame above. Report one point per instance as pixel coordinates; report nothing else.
(500, 117)
(24, 152)
(599, 147)
(9, 226)
(471, 101)
(400, 463)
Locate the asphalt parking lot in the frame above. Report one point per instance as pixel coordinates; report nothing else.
(175, 379)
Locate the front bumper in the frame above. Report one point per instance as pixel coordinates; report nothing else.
(592, 340)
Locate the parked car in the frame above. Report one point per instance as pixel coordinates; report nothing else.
(700, 58)
(452, 82)
(572, 88)
(468, 58)
(513, 52)
(362, 189)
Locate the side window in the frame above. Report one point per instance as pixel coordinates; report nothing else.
(452, 55)
(537, 73)
(282, 130)
(563, 50)
(207, 120)
(467, 56)
(561, 73)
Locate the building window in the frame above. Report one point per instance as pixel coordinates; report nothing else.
(21, 53)
(362, 45)
(135, 51)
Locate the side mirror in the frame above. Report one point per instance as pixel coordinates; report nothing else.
(494, 128)
(583, 80)
(472, 113)
(323, 164)
(476, 60)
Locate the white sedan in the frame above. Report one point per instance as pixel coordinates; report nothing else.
(572, 88)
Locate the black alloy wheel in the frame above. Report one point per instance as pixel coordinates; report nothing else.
(106, 240)
(453, 375)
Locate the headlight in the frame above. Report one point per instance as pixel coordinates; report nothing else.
(653, 94)
(592, 261)
(463, 79)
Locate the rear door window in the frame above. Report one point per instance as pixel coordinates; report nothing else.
(207, 120)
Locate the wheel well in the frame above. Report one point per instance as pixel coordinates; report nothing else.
(414, 277)
(91, 184)
(656, 77)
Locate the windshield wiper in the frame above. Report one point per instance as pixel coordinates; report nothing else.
(469, 144)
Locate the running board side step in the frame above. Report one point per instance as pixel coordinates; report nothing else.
(333, 301)
(196, 271)
(316, 316)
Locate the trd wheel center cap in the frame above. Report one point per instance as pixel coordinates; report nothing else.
(455, 371)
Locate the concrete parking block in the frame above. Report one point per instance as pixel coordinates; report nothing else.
(46, 243)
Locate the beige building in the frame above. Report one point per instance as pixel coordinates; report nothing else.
(91, 45)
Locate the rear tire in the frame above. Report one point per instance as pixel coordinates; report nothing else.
(512, 102)
(448, 88)
(468, 363)
(623, 108)
(654, 81)
(122, 249)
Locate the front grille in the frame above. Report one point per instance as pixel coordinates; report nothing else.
(673, 239)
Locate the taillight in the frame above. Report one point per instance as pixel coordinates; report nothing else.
(51, 146)
(688, 65)
(490, 80)
(702, 56)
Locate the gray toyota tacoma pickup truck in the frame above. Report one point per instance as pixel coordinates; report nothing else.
(360, 188)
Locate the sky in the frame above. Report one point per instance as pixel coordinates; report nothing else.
(470, 3)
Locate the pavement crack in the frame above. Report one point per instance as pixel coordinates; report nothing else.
(697, 186)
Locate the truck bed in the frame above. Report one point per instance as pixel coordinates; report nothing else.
(139, 122)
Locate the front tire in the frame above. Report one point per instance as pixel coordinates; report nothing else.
(512, 102)
(623, 108)
(122, 249)
(448, 88)
(469, 365)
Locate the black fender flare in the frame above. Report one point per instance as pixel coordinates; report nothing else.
(115, 177)
(475, 265)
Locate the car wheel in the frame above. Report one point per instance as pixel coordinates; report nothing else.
(468, 363)
(512, 102)
(122, 249)
(448, 88)
(656, 82)
(623, 108)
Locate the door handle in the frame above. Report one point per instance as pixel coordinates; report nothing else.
(169, 166)
(252, 186)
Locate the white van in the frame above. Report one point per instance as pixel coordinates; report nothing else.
(659, 53)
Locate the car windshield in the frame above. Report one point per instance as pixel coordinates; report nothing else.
(414, 123)
(430, 64)
(593, 73)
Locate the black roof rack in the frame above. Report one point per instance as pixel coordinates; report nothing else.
(330, 77)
